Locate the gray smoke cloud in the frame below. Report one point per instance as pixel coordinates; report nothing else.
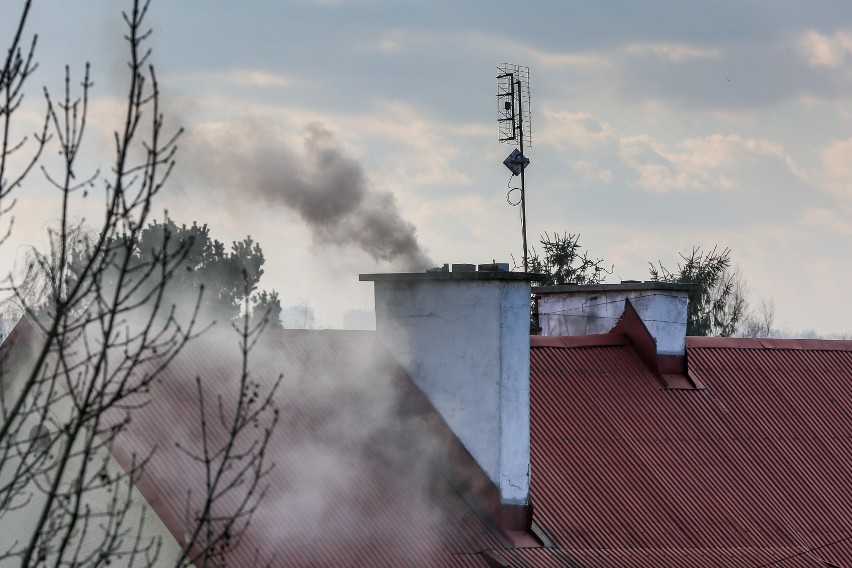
(326, 187)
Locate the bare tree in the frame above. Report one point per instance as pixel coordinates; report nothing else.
(231, 455)
(760, 322)
(105, 334)
(17, 68)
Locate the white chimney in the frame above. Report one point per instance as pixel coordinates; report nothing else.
(652, 315)
(463, 338)
(596, 308)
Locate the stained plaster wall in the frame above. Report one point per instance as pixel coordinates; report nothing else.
(584, 310)
(465, 343)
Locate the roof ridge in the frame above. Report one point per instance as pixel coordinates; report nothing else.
(574, 341)
(694, 342)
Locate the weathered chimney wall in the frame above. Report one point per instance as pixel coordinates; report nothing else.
(596, 308)
(463, 338)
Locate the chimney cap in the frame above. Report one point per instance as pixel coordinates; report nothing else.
(413, 276)
(648, 285)
(493, 267)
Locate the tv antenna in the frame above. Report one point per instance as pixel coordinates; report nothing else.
(514, 127)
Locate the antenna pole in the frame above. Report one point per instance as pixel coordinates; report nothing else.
(523, 189)
(513, 87)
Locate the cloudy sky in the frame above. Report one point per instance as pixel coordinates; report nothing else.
(353, 136)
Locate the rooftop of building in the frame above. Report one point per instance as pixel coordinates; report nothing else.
(751, 470)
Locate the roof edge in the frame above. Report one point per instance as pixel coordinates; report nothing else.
(429, 276)
(695, 342)
(572, 341)
(623, 287)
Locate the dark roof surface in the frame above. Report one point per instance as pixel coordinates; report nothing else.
(360, 475)
(753, 470)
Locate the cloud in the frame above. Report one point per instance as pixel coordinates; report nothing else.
(592, 171)
(822, 50)
(256, 78)
(837, 164)
(397, 41)
(539, 58)
(422, 150)
(828, 220)
(691, 164)
(704, 75)
(577, 129)
(674, 52)
(611, 59)
(335, 3)
(697, 163)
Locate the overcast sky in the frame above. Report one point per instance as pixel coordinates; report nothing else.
(325, 128)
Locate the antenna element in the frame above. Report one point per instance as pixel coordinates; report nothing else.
(514, 127)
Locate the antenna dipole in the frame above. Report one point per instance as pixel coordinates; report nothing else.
(513, 122)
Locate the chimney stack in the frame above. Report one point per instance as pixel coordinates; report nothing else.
(575, 309)
(652, 315)
(463, 338)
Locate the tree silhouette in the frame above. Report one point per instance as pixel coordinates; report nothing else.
(718, 305)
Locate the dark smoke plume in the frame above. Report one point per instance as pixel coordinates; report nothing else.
(328, 189)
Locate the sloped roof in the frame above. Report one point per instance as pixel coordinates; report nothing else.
(753, 470)
(360, 475)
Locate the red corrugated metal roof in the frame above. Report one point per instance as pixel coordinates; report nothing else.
(698, 558)
(755, 469)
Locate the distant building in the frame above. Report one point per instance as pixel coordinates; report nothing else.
(359, 319)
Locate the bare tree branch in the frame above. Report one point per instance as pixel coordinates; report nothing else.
(104, 329)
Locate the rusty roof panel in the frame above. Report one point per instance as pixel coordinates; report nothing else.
(760, 461)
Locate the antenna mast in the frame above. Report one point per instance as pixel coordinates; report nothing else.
(513, 123)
